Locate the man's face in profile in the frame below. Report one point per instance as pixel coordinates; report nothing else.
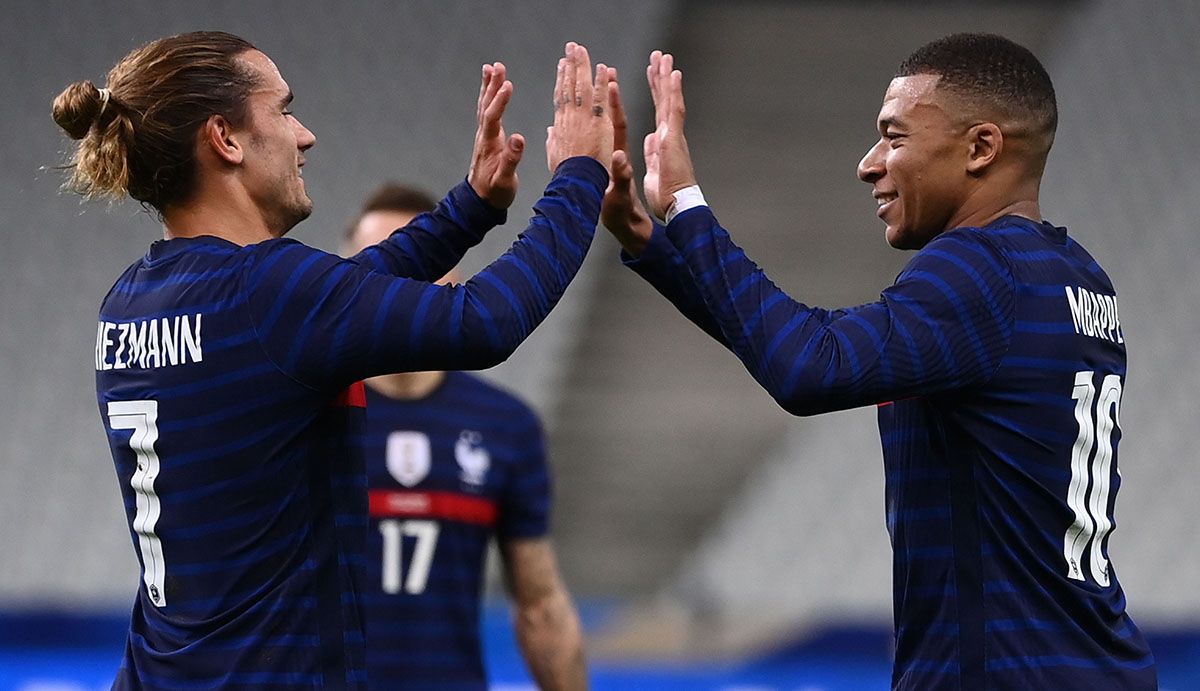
(918, 167)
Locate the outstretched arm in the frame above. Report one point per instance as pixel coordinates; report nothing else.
(946, 323)
(548, 629)
(434, 242)
(329, 322)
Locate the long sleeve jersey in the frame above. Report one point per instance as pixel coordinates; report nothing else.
(226, 379)
(997, 364)
(447, 473)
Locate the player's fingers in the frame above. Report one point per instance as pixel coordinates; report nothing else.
(652, 80)
(571, 87)
(513, 153)
(499, 76)
(620, 124)
(495, 110)
(678, 110)
(560, 88)
(622, 169)
(650, 151)
(600, 91)
(667, 96)
(483, 84)
(495, 87)
(583, 77)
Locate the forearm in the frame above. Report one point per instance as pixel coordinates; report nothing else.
(661, 265)
(944, 324)
(810, 360)
(434, 242)
(551, 640)
(502, 304)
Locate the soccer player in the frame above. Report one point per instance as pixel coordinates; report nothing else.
(996, 360)
(452, 461)
(226, 357)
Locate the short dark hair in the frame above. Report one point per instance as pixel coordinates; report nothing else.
(393, 196)
(991, 69)
(138, 136)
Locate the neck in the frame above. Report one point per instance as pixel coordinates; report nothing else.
(1024, 208)
(408, 386)
(983, 205)
(221, 210)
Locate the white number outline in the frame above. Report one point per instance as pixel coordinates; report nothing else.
(426, 533)
(142, 418)
(1091, 474)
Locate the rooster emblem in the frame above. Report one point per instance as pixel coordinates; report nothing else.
(472, 457)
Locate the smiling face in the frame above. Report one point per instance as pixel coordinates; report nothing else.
(275, 152)
(918, 168)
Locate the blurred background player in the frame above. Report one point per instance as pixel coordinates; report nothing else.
(452, 461)
(227, 358)
(996, 360)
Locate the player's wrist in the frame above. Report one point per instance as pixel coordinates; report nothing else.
(683, 199)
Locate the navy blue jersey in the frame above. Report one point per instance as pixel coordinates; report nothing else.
(226, 382)
(997, 362)
(446, 472)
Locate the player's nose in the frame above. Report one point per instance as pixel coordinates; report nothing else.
(871, 167)
(305, 139)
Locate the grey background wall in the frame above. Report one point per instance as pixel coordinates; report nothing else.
(681, 487)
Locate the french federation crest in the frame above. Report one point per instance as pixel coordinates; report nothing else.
(408, 457)
(472, 457)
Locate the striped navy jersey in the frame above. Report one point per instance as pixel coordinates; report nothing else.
(997, 362)
(446, 472)
(226, 383)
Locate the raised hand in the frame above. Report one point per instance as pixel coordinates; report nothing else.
(494, 160)
(668, 163)
(582, 122)
(622, 213)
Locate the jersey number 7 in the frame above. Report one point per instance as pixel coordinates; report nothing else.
(142, 418)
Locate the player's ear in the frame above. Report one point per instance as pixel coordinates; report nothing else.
(984, 144)
(218, 135)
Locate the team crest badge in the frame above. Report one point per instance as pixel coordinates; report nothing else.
(408, 457)
(472, 457)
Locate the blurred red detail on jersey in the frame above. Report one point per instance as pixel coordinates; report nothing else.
(448, 506)
(353, 396)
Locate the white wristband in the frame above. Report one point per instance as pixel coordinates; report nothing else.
(686, 198)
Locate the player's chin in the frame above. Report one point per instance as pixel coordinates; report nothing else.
(896, 237)
(297, 213)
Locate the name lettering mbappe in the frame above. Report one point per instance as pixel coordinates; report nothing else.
(1095, 315)
(158, 342)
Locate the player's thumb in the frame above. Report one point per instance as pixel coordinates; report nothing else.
(513, 152)
(622, 169)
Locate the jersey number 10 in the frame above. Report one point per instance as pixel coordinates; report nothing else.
(1091, 474)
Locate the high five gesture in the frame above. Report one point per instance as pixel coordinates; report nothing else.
(582, 122)
(494, 160)
(668, 163)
